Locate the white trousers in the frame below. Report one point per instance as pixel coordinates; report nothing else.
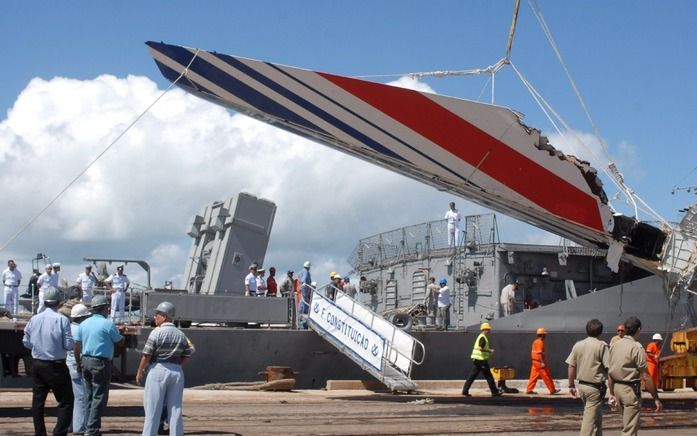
(12, 299)
(453, 235)
(118, 302)
(164, 386)
(41, 302)
(87, 296)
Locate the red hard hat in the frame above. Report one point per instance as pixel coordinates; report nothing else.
(620, 328)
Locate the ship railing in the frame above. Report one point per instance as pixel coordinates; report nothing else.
(130, 291)
(402, 351)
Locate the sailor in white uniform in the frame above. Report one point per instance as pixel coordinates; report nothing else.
(118, 283)
(10, 280)
(250, 281)
(453, 217)
(86, 281)
(56, 276)
(44, 282)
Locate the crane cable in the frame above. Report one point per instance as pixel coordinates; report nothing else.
(23, 228)
(614, 172)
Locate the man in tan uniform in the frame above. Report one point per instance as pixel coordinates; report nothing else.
(588, 364)
(627, 365)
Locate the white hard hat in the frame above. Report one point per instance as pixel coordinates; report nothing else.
(313, 284)
(57, 265)
(657, 337)
(307, 264)
(79, 311)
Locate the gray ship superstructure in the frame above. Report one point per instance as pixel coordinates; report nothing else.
(557, 284)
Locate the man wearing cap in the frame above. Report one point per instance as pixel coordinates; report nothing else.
(56, 275)
(431, 301)
(78, 313)
(48, 336)
(261, 282)
(271, 285)
(10, 280)
(588, 363)
(118, 283)
(619, 335)
(653, 352)
(349, 288)
(539, 368)
(452, 216)
(250, 281)
(287, 285)
(627, 365)
(305, 283)
(86, 281)
(94, 349)
(165, 351)
(443, 314)
(43, 282)
(481, 351)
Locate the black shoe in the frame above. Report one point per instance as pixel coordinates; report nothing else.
(466, 394)
(496, 394)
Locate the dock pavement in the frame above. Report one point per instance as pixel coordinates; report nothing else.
(438, 410)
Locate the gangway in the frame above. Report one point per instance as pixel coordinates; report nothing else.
(376, 345)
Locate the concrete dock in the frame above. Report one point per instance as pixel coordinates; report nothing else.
(363, 412)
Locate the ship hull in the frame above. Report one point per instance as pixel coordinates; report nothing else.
(233, 355)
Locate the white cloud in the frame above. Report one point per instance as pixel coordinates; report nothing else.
(136, 201)
(588, 147)
(412, 83)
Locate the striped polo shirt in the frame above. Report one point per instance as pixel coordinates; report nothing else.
(167, 344)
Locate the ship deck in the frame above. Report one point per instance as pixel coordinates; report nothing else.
(361, 412)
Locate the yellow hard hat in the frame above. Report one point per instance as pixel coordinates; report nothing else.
(332, 274)
(485, 326)
(541, 331)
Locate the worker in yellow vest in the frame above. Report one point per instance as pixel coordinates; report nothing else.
(480, 362)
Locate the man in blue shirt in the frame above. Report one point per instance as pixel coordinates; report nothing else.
(94, 349)
(305, 293)
(48, 337)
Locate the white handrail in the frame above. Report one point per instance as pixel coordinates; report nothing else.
(390, 341)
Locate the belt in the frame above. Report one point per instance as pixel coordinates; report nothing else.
(595, 385)
(96, 357)
(628, 383)
(51, 361)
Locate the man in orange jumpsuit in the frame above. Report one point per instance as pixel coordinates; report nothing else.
(653, 350)
(539, 367)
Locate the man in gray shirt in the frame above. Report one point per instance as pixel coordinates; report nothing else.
(165, 351)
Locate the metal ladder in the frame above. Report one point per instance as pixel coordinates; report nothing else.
(400, 350)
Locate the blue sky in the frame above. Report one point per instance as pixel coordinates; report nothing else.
(634, 62)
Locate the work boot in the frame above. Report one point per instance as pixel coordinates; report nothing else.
(466, 394)
(496, 394)
(531, 393)
(556, 391)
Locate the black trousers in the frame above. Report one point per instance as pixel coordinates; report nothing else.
(52, 376)
(477, 367)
